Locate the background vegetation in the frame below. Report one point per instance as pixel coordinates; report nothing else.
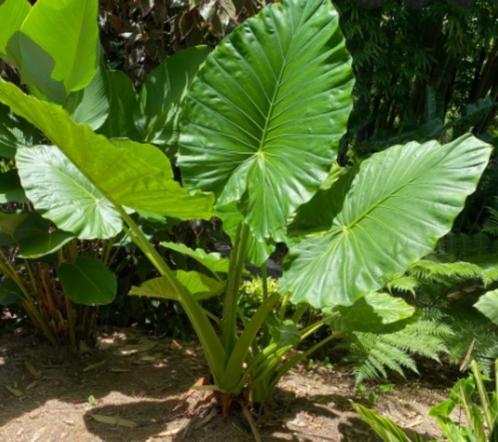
(424, 70)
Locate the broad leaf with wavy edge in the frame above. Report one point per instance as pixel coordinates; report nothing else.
(262, 120)
(127, 173)
(63, 194)
(400, 203)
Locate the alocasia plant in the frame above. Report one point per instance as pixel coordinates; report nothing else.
(260, 129)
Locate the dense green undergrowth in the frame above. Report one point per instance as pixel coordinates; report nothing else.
(272, 191)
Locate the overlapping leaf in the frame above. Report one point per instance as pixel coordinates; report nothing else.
(212, 261)
(130, 174)
(162, 92)
(262, 119)
(64, 195)
(12, 14)
(488, 305)
(400, 203)
(198, 285)
(67, 32)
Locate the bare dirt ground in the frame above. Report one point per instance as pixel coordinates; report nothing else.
(132, 388)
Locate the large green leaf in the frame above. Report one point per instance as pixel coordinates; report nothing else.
(68, 32)
(130, 174)
(263, 117)
(400, 203)
(88, 281)
(63, 194)
(162, 92)
(212, 261)
(12, 14)
(36, 237)
(198, 285)
(488, 305)
(372, 313)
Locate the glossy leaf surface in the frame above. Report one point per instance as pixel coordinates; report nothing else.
(64, 195)
(372, 313)
(263, 117)
(12, 14)
(130, 174)
(400, 203)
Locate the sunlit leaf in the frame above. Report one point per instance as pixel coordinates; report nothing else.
(262, 119)
(64, 195)
(400, 203)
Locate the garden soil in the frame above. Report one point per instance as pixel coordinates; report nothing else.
(137, 388)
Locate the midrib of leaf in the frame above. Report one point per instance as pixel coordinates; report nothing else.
(378, 203)
(273, 99)
(79, 185)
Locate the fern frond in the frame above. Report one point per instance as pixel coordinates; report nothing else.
(374, 355)
(403, 283)
(444, 272)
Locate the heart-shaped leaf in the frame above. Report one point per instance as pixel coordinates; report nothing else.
(262, 119)
(400, 203)
(127, 173)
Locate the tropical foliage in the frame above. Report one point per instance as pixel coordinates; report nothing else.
(259, 149)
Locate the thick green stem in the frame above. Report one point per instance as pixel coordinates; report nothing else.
(237, 262)
(482, 394)
(300, 311)
(210, 342)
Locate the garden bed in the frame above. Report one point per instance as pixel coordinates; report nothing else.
(134, 388)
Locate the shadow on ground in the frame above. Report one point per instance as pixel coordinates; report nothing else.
(133, 389)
